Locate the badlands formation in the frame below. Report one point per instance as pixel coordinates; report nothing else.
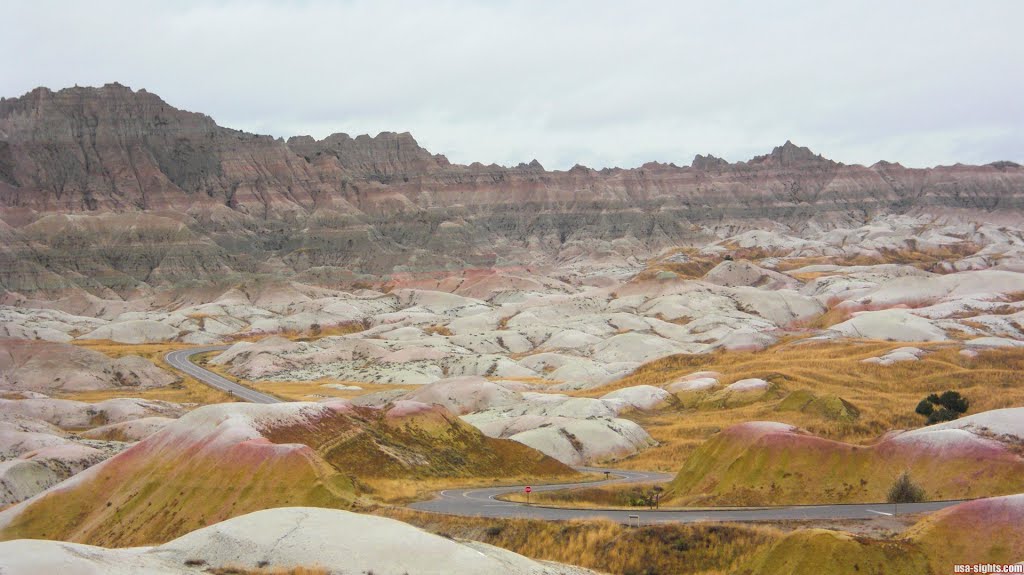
(329, 540)
(763, 328)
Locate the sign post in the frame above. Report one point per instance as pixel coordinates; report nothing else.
(528, 490)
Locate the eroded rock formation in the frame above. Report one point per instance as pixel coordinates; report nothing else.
(113, 189)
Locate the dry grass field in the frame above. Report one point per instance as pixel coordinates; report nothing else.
(795, 548)
(406, 490)
(312, 390)
(885, 395)
(187, 390)
(609, 547)
(602, 497)
(306, 335)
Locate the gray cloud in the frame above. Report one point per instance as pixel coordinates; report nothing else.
(599, 83)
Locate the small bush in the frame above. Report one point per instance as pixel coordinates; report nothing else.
(951, 405)
(954, 401)
(904, 490)
(943, 414)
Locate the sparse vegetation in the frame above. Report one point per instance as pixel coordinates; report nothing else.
(608, 496)
(885, 396)
(608, 546)
(315, 331)
(695, 266)
(904, 490)
(817, 551)
(438, 329)
(302, 390)
(926, 259)
(187, 390)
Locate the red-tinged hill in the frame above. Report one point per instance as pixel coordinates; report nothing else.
(774, 463)
(226, 460)
(984, 531)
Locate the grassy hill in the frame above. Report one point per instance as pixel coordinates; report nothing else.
(225, 460)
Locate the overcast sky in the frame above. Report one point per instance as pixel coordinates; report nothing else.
(598, 83)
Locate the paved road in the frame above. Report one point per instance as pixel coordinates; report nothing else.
(180, 360)
(484, 503)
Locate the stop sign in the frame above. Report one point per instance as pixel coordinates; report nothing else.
(528, 489)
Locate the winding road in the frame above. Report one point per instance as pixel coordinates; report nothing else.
(181, 361)
(484, 502)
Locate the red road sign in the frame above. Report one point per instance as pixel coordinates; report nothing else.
(528, 489)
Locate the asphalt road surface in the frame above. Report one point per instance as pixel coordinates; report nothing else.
(483, 502)
(180, 360)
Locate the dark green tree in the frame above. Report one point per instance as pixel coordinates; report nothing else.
(954, 401)
(943, 414)
(925, 408)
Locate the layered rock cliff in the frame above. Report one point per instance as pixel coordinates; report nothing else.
(113, 189)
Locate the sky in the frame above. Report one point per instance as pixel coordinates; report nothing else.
(597, 83)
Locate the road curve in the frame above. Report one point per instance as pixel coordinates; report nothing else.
(180, 360)
(477, 502)
(484, 503)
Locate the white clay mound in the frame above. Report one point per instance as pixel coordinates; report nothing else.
(890, 325)
(642, 397)
(696, 384)
(461, 395)
(275, 539)
(752, 384)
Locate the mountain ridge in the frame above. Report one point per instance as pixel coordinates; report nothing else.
(384, 204)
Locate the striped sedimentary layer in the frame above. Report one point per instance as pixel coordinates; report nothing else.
(162, 196)
(775, 463)
(225, 460)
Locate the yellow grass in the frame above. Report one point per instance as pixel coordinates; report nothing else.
(438, 330)
(600, 497)
(187, 390)
(695, 268)
(606, 546)
(306, 335)
(924, 259)
(885, 395)
(407, 490)
(302, 390)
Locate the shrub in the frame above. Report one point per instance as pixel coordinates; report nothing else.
(924, 408)
(953, 401)
(943, 414)
(934, 398)
(904, 490)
